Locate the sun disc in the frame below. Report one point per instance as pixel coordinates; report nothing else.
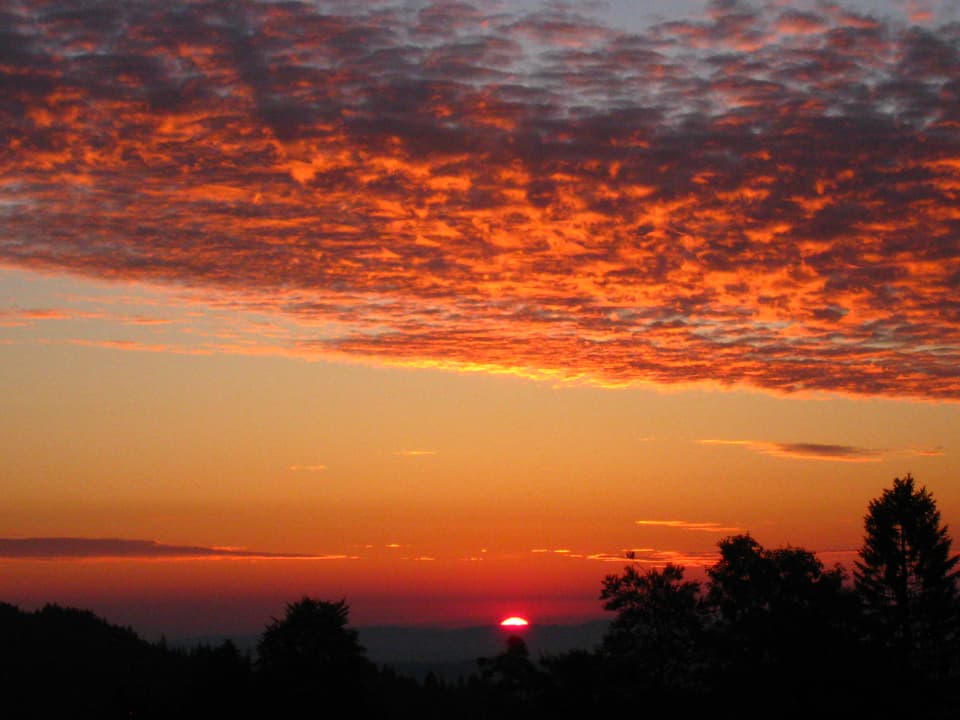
(514, 621)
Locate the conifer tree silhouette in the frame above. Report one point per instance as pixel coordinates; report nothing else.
(906, 574)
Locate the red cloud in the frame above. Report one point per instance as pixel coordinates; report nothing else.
(758, 199)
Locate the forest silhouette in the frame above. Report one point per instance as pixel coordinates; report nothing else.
(771, 633)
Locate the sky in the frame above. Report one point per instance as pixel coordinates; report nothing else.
(443, 307)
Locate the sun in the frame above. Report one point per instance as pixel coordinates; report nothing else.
(514, 621)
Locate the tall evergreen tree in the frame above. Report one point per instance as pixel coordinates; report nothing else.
(906, 574)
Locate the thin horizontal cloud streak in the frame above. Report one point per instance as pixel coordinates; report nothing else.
(642, 556)
(658, 558)
(72, 548)
(807, 451)
(693, 526)
(927, 451)
(758, 197)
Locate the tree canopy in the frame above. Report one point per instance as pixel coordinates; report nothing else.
(657, 623)
(311, 655)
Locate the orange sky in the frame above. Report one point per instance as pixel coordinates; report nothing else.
(444, 307)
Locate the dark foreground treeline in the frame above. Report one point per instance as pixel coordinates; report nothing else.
(772, 634)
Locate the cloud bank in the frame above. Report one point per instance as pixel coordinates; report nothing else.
(760, 196)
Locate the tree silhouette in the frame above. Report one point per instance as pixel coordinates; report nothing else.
(751, 584)
(658, 619)
(778, 614)
(906, 575)
(511, 671)
(509, 682)
(576, 683)
(66, 662)
(311, 657)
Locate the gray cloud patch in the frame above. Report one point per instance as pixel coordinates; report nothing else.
(839, 452)
(807, 451)
(79, 548)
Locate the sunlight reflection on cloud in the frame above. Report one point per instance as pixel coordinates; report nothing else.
(760, 196)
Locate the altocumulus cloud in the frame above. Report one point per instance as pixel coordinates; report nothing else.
(760, 196)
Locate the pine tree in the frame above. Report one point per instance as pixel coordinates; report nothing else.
(906, 574)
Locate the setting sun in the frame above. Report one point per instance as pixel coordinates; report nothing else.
(515, 622)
